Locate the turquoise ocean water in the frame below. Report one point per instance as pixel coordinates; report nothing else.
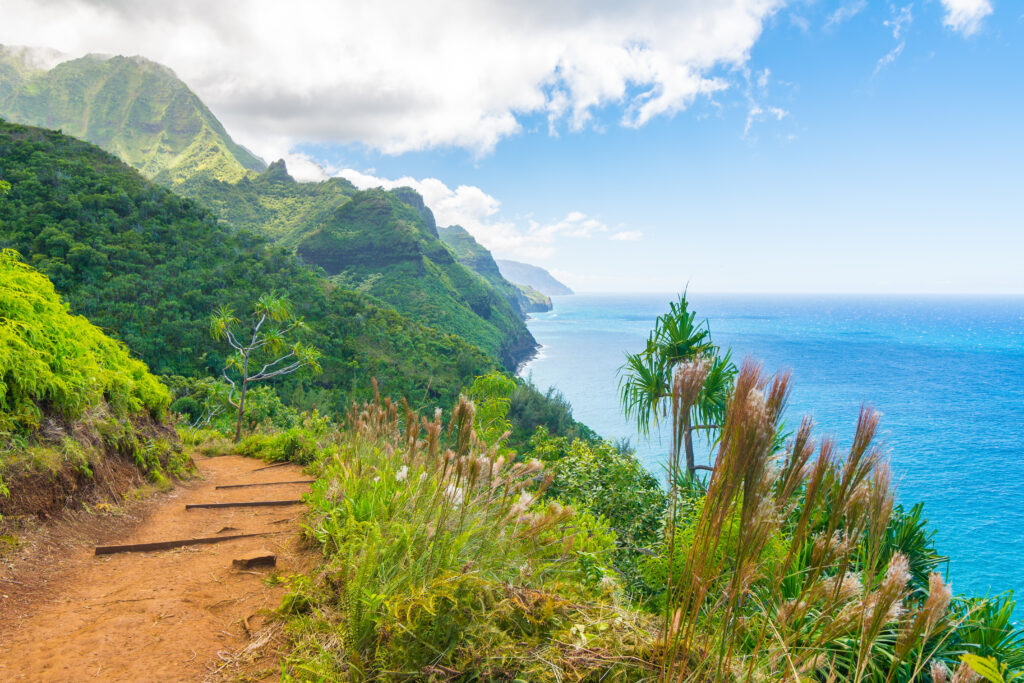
(947, 375)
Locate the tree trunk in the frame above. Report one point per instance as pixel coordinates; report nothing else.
(691, 466)
(241, 407)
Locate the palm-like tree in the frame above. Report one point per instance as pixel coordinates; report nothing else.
(645, 380)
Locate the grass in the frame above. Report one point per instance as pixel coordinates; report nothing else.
(442, 560)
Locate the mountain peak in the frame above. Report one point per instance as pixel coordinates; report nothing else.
(277, 172)
(132, 107)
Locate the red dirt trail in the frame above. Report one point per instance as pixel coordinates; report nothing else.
(169, 615)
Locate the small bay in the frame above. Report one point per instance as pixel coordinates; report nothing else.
(947, 374)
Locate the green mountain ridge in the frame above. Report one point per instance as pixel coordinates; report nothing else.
(134, 108)
(141, 112)
(149, 268)
(379, 244)
(382, 243)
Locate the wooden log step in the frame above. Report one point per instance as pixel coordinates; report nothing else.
(245, 504)
(164, 545)
(259, 558)
(276, 464)
(267, 483)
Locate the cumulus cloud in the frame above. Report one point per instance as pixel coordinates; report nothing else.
(478, 213)
(400, 76)
(965, 15)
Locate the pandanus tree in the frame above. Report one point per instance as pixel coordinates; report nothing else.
(263, 344)
(646, 379)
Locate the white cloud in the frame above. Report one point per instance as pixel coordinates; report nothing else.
(755, 92)
(400, 76)
(845, 12)
(477, 212)
(627, 236)
(901, 19)
(965, 15)
(890, 56)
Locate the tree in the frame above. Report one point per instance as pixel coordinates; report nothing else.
(645, 383)
(266, 345)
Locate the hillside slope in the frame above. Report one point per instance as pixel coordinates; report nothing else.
(150, 268)
(134, 108)
(76, 409)
(381, 243)
(477, 258)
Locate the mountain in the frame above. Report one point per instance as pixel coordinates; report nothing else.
(532, 276)
(478, 259)
(536, 302)
(132, 107)
(150, 267)
(271, 203)
(141, 112)
(384, 244)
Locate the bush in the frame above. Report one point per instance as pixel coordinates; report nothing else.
(447, 562)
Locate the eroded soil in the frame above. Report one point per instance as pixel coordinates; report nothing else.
(172, 615)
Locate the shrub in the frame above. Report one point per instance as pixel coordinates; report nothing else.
(447, 562)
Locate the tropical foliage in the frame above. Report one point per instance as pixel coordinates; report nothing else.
(257, 345)
(70, 398)
(150, 268)
(646, 379)
(443, 561)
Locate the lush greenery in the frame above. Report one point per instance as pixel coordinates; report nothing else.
(442, 561)
(143, 113)
(129, 106)
(382, 245)
(68, 393)
(647, 379)
(271, 203)
(150, 268)
(474, 256)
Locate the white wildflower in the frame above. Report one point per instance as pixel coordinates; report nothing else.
(454, 493)
(402, 473)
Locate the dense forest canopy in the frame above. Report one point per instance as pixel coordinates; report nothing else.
(150, 268)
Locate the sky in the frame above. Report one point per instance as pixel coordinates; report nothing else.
(726, 146)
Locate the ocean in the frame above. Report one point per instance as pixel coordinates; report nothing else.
(947, 374)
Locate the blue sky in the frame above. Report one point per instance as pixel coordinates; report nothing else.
(754, 146)
(905, 176)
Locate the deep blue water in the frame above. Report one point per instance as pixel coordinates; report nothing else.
(947, 375)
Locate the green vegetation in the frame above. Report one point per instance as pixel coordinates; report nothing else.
(646, 384)
(271, 203)
(143, 113)
(441, 561)
(71, 398)
(131, 107)
(150, 268)
(261, 347)
(381, 245)
(535, 301)
(474, 256)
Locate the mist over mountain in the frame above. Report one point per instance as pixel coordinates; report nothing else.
(132, 107)
(534, 276)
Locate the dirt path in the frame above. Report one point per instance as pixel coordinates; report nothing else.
(170, 615)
